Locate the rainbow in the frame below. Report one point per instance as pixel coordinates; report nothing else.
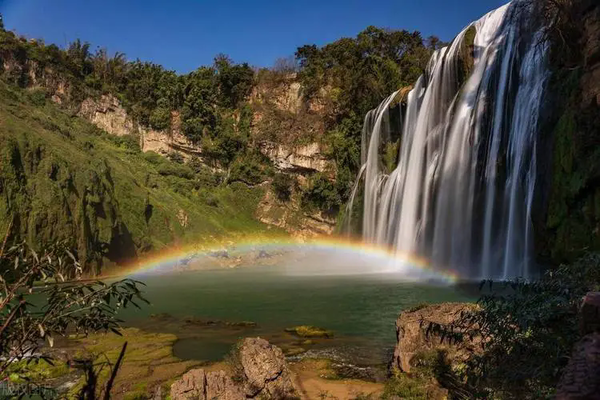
(177, 255)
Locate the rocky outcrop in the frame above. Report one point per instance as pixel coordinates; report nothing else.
(108, 114)
(260, 371)
(200, 385)
(413, 340)
(297, 159)
(290, 217)
(265, 372)
(590, 81)
(581, 377)
(569, 190)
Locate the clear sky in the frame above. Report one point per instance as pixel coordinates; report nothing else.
(184, 34)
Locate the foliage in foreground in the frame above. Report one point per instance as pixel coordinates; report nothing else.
(525, 333)
(29, 277)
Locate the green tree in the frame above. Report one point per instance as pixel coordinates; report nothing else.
(60, 306)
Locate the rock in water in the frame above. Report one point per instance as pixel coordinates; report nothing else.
(412, 338)
(265, 370)
(261, 373)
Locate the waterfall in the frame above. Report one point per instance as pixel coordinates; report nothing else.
(462, 191)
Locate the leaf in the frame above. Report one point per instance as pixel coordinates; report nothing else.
(116, 331)
(50, 340)
(42, 331)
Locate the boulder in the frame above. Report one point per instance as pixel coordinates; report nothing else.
(265, 371)
(260, 372)
(581, 377)
(589, 320)
(412, 339)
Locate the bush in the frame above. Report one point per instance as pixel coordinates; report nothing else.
(38, 96)
(247, 170)
(160, 118)
(526, 330)
(282, 186)
(321, 194)
(175, 157)
(127, 142)
(173, 169)
(154, 158)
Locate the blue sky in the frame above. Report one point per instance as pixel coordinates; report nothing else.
(184, 34)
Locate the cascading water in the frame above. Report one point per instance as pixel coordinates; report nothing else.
(462, 191)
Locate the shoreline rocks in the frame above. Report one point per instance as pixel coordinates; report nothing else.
(259, 371)
(411, 337)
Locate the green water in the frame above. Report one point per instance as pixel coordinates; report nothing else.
(361, 310)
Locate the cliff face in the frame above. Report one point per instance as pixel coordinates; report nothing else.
(287, 128)
(107, 114)
(572, 223)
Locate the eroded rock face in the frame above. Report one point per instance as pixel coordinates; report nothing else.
(265, 371)
(581, 378)
(200, 385)
(108, 114)
(590, 81)
(292, 218)
(412, 339)
(297, 159)
(262, 373)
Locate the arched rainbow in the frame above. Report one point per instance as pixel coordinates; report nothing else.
(177, 255)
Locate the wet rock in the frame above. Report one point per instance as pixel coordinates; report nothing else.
(309, 331)
(412, 338)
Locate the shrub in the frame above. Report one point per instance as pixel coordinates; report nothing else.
(526, 331)
(175, 157)
(247, 170)
(38, 96)
(160, 118)
(282, 186)
(174, 169)
(321, 194)
(153, 158)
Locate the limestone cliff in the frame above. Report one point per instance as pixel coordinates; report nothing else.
(108, 114)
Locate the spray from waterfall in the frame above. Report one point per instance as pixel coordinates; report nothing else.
(462, 191)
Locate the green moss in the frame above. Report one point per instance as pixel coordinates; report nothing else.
(148, 361)
(467, 57)
(390, 155)
(36, 370)
(309, 331)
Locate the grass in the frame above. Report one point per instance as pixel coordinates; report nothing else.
(61, 178)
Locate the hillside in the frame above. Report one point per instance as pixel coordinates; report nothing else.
(62, 178)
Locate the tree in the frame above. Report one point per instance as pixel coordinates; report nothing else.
(235, 81)
(63, 304)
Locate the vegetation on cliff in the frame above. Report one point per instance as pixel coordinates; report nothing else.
(62, 179)
(340, 82)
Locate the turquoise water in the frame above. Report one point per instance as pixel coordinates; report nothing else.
(360, 309)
